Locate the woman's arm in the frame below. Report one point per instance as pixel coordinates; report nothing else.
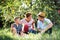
(33, 25)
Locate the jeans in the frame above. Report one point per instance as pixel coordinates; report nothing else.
(32, 31)
(49, 31)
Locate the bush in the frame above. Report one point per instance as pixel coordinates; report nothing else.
(12, 8)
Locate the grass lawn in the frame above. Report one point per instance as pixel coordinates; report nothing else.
(5, 34)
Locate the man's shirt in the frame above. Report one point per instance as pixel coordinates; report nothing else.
(42, 25)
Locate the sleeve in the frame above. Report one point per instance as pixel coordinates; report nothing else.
(38, 24)
(32, 20)
(22, 21)
(48, 21)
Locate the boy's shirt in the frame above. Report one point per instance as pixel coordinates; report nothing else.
(42, 25)
(18, 28)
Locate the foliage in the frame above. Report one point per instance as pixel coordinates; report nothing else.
(12, 8)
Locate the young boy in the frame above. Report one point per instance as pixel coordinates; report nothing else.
(44, 24)
(16, 27)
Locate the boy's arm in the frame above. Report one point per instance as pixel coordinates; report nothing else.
(48, 27)
(11, 27)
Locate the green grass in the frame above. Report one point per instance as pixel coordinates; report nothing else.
(5, 34)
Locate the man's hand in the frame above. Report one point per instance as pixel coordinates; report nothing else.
(39, 30)
(48, 27)
(43, 31)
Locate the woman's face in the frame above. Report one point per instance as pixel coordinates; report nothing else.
(29, 18)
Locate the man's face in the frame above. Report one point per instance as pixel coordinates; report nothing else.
(17, 20)
(40, 18)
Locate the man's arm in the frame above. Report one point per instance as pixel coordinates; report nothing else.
(48, 27)
(39, 30)
(38, 26)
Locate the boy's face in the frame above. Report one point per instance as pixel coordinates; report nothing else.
(40, 18)
(17, 20)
